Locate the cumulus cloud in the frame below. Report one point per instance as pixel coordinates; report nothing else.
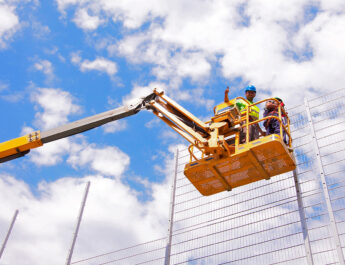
(86, 21)
(9, 22)
(3, 86)
(115, 126)
(169, 64)
(46, 67)
(40, 31)
(143, 91)
(99, 64)
(8, 95)
(56, 106)
(281, 46)
(334, 6)
(48, 217)
(193, 96)
(109, 161)
(190, 64)
(50, 154)
(152, 123)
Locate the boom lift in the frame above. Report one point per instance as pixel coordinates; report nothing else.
(218, 161)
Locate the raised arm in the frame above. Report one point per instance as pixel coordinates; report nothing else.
(226, 95)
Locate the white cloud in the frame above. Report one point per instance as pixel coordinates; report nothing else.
(168, 63)
(39, 30)
(51, 153)
(63, 4)
(75, 58)
(53, 108)
(9, 22)
(167, 168)
(275, 45)
(48, 218)
(108, 161)
(99, 64)
(115, 126)
(189, 64)
(152, 123)
(3, 86)
(26, 130)
(86, 21)
(193, 96)
(45, 67)
(334, 6)
(8, 95)
(143, 91)
(274, 11)
(55, 51)
(57, 105)
(168, 135)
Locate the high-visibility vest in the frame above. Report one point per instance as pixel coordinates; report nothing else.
(254, 111)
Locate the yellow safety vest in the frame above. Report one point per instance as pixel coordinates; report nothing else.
(254, 111)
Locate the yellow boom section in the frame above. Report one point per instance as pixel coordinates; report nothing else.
(20, 145)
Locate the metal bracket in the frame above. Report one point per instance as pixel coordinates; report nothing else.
(255, 161)
(221, 178)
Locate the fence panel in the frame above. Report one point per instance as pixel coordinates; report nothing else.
(152, 252)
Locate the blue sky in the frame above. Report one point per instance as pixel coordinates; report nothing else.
(64, 60)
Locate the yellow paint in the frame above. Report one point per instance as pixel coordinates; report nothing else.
(224, 106)
(20, 144)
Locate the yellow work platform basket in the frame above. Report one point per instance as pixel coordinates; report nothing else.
(245, 163)
(260, 159)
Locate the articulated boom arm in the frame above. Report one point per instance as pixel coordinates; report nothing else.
(209, 137)
(204, 136)
(182, 121)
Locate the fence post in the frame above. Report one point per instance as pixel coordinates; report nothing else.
(171, 213)
(333, 226)
(8, 233)
(303, 220)
(68, 261)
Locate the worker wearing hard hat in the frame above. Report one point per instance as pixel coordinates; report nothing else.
(272, 125)
(250, 93)
(284, 113)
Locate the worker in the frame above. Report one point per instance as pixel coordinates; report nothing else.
(250, 93)
(284, 113)
(272, 125)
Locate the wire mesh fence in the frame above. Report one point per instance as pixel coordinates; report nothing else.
(152, 252)
(289, 219)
